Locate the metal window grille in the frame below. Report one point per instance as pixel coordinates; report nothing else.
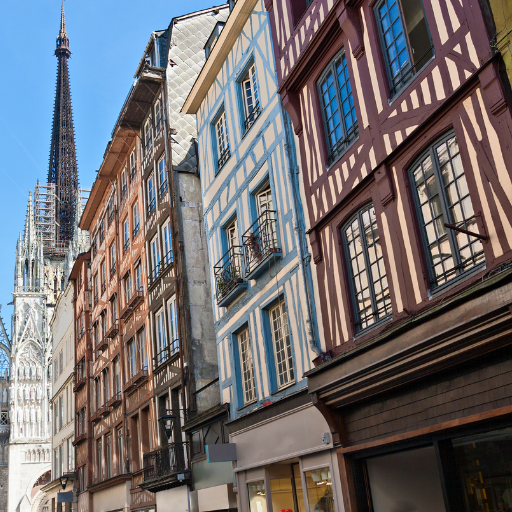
(442, 196)
(221, 130)
(246, 366)
(370, 290)
(282, 346)
(338, 108)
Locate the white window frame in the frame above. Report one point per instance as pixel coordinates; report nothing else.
(135, 218)
(159, 115)
(250, 96)
(133, 164)
(151, 193)
(281, 345)
(173, 325)
(167, 241)
(155, 257)
(246, 366)
(148, 135)
(162, 176)
(126, 233)
(161, 341)
(222, 139)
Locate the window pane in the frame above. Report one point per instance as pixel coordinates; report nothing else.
(246, 366)
(282, 347)
(319, 487)
(281, 492)
(257, 497)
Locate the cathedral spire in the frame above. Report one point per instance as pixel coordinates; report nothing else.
(29, 235)
(63, 168)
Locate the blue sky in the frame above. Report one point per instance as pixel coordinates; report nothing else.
(107, 39)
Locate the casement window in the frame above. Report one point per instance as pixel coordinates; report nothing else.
(232, 234)
(71, 454)
(148, 135)
(97, 393)
(120, 451)
(112, 254)
(264, 201)
(167, 240)
(281, 344)
(442, 197)
(103, 270)
(365, 263)
(138, 278)
(141, 346)
(135, 218)
(159, 115)
(102, 230)
(126, 234)
(250, 97)
(108, 445)
(405, 39)
(160, 337)
(133, 165)
(339, 113)
(99, 461)
(127, 285)
(222, 139)
(96, 289)
(155, 258)
(124, 183)
(131, 353)
(246, 366)
(173, 325)
(106, 385)
(162, 176)
(117, 376)
(103, 317)
(151, 194)
(111, 209)
(114, 309)
(82, 478)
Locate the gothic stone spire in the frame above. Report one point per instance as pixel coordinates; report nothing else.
(63, 168)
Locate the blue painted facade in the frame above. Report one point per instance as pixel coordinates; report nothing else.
(260, 157)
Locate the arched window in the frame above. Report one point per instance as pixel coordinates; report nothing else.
(365, 263)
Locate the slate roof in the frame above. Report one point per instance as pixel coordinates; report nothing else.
(186, 57)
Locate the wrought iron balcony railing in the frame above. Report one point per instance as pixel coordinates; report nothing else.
(251, 118)
(163, 188)
(260, 241)
(126, 246)
(224, 157)
(151, 206)
(228, 273)
(166, 353)
(167, 461)
(135, 231)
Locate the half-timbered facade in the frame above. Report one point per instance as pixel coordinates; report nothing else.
(402, 127)
(122, 419)
(263, 302)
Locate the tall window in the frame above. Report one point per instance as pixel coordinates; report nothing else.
(232, 234)
(405, 39)
(166, 231)
(173, 326)
(442, 197)
(250, 97)
(112, 251)
(148, 135)
(133, 164)
(264, 201)
(138, 277)
(106, 385)
(132, 358)
(127, 284)
(338, 109)
(281, 344)
(99, 461)
(222, 140)
(124, 183)
(135, 218)
(108, 443)
(246, 366)
(117, 376)
(126, 234)
(162, 176)
(96, 288)
(155, 258)
(113, 308)
(103, 270)
(151, 194)
(159, 116)
(120, 452)
(141, 346)
(160, 337)
(369, 284)
(97, 392)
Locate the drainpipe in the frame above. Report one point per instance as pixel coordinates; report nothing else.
(296, 206)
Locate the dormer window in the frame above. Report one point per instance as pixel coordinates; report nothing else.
(213, 38)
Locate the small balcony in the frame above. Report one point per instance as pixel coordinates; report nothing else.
(229, 281)
(133, 302)
(112, 332)
(81, 375)
(166, 354)
(80, 438)
(102, 343)
(104, 410)
(115, 400)
(251, 118)
(260, 244)
(167, 467)
(223, 158)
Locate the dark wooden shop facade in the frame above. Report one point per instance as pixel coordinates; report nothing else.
(403, 127)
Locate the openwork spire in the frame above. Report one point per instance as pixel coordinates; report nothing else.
(63, 168)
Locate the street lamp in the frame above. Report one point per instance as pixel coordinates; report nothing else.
(63, 481)
(167, 422)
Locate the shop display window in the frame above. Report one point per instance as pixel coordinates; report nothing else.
(286, 491)
(257, 496)
(485, 468)
(319, 488)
